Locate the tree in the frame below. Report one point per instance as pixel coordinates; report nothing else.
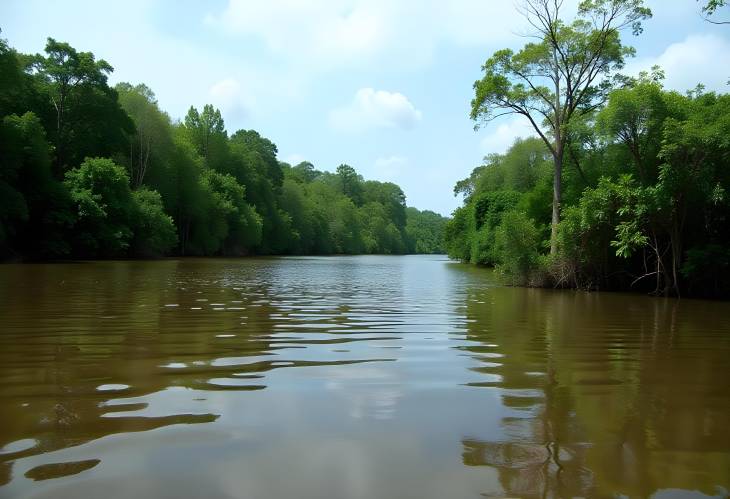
(561, 77)
(152, 143)
(457, 233)
(11, 79)
(305, 171)
(517, 243)
(634, 115)
(243, 223)
(100, 192)
(183, 194)
(206, 129)
(64, 70)
(154, 231)
(90, 171)
(350, 183)
(35, 208)
(425, 231)
(390, 196)
(253, 163)
(711, 7)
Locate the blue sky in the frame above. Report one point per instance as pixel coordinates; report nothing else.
(382, 85)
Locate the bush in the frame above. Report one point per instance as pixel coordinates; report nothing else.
(456, 233)
(154, 231)
(100, 192)
(517, 244)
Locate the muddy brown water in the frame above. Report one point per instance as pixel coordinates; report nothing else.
(352, 377)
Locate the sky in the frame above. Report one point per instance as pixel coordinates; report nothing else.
(382, 85)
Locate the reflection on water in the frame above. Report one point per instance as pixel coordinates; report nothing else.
(57, 470)
(608, 393)
(352, 377)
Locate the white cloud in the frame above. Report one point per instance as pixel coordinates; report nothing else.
(697, 59)
(375, 109)
(333, 33)
(248, 92)
(390, 167)
(504, 134)
(228, 95)
(293, 159)
(316, 30)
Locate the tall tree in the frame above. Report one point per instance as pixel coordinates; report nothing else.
(562, 76)
(64, 69)
(205, 127)
(152, 141)
(350, 183)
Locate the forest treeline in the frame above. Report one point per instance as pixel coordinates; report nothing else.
(625, 185)
(93, 171)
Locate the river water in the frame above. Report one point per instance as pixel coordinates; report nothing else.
(352, 377)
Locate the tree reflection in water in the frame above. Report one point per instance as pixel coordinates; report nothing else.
(606, 394)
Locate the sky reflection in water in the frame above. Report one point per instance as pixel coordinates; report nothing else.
(352, 377)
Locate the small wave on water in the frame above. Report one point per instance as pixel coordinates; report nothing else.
(366, 373)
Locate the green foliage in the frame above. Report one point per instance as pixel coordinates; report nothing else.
(154, 231)
(425, 231)
(561, 78)
(86, 119)
(458, 233)
(13, 206)
(104, 208)
(32, 201)
(207, 133)
(643, 191)
(489, 208)
(242, 223)
(647, 203)
(151, 146)
(345, 227)
(505, 183)
(12, 84)
(517, 244)
(350, 183)
(710, 7)
(128, 182)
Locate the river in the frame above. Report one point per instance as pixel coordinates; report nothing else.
(352, 377)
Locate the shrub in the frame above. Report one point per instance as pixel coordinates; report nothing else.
(517, 243)
(154, 231)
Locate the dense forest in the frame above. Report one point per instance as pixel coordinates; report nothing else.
(625, 185)
(93, 171)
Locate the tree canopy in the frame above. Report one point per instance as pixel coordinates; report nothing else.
(646, 206)
(91, 171)
(562, 77)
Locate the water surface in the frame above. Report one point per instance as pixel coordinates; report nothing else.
(352, 377)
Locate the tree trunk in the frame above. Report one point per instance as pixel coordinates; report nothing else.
(557, 195)
(558, 160)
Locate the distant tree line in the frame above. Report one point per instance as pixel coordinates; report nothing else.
(93, 171)
(626, 185)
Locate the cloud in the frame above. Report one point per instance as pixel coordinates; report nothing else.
(293, 159)
(503, 135)
(697, 59)
(335, 33)
(249, 93)
(375, 109)
(228, 95)
(315, 30)
(390, 167)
